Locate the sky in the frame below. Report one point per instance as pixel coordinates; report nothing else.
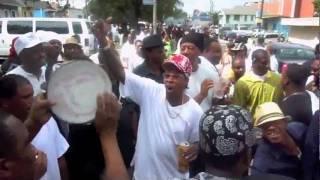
(189, 5)
(204, 5)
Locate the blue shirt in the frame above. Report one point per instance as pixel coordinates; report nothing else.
(269, 158)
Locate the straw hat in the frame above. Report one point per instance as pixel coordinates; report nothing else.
(268, 112)
(72, 40)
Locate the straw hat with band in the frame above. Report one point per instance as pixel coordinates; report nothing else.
(72, 40)
(268, 112)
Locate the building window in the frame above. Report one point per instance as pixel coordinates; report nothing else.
(236, 17)
(227, 18)
(245, 18)
(6, 13)
(252, 18)
(13, 14)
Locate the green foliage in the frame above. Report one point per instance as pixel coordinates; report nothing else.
(133, 10)
(316, 4)
(215, 17)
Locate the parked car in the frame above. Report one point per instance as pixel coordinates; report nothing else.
(242, 37)
(269, 36)
(236, 37)
(65, 27)
(229, 36)
(288, 53)
(223, 31)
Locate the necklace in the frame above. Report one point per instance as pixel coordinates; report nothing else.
(172, 114)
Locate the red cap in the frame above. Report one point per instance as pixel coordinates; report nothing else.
(181, 62)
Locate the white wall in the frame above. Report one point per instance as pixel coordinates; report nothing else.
(304, 35)
(241, 21)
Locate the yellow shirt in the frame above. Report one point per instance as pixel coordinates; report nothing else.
(251, 90)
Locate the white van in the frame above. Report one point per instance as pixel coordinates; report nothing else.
(65, 27)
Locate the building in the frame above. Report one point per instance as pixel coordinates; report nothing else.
(290, 8)
(201, 18)
(11, 8)
(238, 16)
(303, 30)
(295, 18)
(44, 9)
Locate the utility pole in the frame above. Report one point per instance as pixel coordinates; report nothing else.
(154, 16)
(87, 12)
(211, 6)
(261, 15)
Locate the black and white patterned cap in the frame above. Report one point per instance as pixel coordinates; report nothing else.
(226, 131)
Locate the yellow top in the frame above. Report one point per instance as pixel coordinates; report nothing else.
(251, 91)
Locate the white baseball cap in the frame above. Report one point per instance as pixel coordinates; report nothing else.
(46, 36)
(25, 41)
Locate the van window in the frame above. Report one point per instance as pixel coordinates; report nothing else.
(272, 36)
(89, 27)
(19, 27)
(77, 29)
(59, 27)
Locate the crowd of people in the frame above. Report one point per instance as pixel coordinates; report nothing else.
(184, 106)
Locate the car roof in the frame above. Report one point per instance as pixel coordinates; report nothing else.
(41, 18)
(290, 45)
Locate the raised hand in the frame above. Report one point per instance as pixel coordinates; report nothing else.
(107, 115)
(100, 30)
(205, 86)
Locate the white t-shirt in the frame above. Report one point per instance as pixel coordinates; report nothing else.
(134, 61)
(161, 128)
(314, 102)
(205, 71)
(274, 65)
(95, 58)
(50, 141)
(35, 82)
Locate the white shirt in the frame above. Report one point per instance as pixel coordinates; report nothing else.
(127, 52)
(95, 58)
(274, 65)
(35, 82)
(161, 128)
(205, 71)
(314, 102)
(135, 61)
(50, 141)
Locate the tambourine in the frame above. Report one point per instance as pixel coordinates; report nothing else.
(74, 88)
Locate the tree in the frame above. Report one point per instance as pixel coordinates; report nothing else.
(316, 4)
(215, 17)
(130, 11)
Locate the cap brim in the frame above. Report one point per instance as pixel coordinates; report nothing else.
(72, 44)
(272, 119)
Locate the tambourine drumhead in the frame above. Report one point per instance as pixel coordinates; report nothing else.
(74, 88)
